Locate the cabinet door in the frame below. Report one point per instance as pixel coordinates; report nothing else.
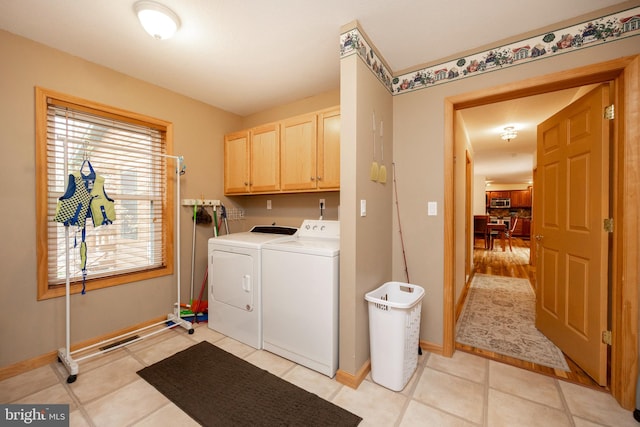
(329, 150)
(516, 199)
(265, 158)
(298, 153)
(527, 198)
(519, 227)
(236, 163)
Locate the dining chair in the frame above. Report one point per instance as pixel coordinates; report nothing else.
(481, 229)
(506, 234)
(509, 233)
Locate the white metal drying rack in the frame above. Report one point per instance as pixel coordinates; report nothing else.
(65, 355)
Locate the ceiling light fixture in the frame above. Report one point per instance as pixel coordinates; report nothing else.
(157, 20)
(509, 133)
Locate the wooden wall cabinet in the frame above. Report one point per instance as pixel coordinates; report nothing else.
(519, 198)
(299, 145)
(252, 160)
(264, 174)
(236, 163)
(498, 194)
(299, 154)
(329, 150)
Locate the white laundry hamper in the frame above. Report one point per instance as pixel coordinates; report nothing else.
(394, 330)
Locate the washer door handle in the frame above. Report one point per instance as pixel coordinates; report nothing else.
(246, 283)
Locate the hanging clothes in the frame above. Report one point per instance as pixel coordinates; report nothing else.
(85, 197)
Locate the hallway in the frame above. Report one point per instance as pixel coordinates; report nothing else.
(516, 264)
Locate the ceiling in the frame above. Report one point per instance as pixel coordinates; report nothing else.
(245, 56)
(511, 162)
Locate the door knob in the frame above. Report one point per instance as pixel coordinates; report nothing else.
(539, 237)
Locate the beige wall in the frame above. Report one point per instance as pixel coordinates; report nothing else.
(306, 105)
(365, 253)
(29, 328)
(419, 124)
(36, 328)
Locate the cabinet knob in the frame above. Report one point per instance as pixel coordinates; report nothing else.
(246, 183)
(319, 178)
(312, 178)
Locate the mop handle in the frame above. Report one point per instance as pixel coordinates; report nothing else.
(404, 255)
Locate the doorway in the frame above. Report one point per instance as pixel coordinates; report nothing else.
(514, 262)
(625, 247)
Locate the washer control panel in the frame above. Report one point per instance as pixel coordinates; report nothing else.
(319, 228)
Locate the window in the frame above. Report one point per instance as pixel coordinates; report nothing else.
(128, 150)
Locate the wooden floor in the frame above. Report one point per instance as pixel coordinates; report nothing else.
(516, 264)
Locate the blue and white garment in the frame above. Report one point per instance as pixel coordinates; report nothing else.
(85, 197)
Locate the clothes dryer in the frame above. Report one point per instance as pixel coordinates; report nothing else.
(235, 290)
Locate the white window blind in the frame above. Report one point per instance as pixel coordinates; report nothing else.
(125, 153)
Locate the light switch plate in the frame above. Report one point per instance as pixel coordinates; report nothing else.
(432, 208)
(363, 208)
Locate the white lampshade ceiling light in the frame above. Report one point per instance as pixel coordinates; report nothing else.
(157, 20)
(509, 133)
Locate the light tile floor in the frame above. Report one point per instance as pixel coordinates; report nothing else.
(465, 390)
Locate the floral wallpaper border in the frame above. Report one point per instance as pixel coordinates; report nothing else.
(601, 30)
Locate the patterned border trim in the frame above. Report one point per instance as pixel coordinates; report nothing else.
(353, 42)
(612, 27)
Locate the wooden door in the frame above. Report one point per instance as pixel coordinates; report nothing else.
(329, 150)
(572, 202)
(298, 156)
(265, 158)
(236, 163)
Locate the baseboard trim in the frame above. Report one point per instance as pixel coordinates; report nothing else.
(50, 357)
(431, 347)
(351, 380)
(354, 381)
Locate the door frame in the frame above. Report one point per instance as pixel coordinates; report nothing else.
(625, 250)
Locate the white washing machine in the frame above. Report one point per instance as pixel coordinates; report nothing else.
(235, 292)
(300, 290)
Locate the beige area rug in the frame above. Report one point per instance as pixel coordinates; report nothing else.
(499, 316)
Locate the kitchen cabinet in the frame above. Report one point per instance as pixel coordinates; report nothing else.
(264, 174)
(236, 162)
(298, 154)
(526, 228)
(520, 198)
(329, 150)
(310, 152)
(523, 228)
(251, 160)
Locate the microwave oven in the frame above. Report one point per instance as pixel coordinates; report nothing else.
(500, 203)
